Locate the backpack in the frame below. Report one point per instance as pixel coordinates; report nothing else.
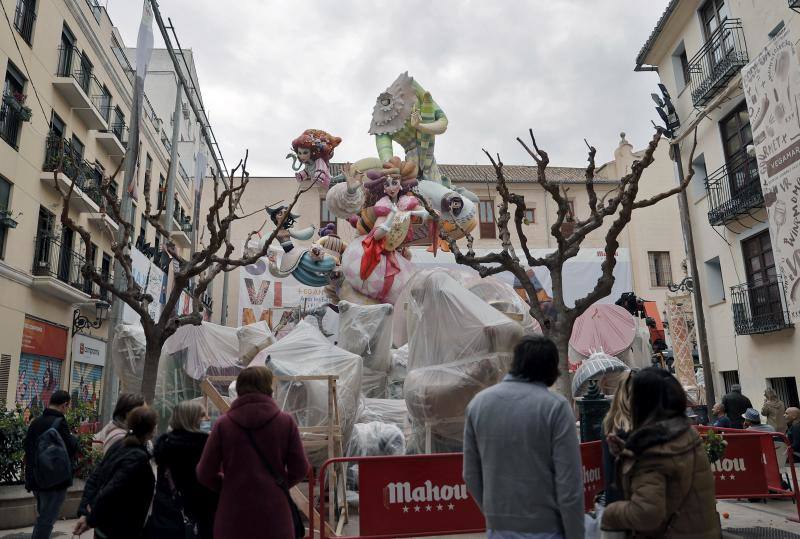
(52, 466)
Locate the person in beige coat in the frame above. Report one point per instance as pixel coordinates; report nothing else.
(664, 471)
(773, 410)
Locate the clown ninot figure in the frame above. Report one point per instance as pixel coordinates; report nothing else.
(377, 264)
(312, 153)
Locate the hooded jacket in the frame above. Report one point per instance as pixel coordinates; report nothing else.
(251, 504)
(119, 492)
(668, 485)
(109, 435)
(179, 452)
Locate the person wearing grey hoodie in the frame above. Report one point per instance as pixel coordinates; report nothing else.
(116, 429)
(522, 460)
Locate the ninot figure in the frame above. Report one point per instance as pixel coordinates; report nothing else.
(311, 155)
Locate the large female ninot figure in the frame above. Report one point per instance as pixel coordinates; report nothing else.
(313, 151)
(378, 264)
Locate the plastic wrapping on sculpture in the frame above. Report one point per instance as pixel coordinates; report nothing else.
(127, 353)
(366, 330)
(458, 214)
(306, 352)
(208, 349)
(458, 345)
(397, 372)
(505, 299)
(394, 411)
(597, 365)
(605, 327)
(374, 439)
(640, 353)
(174, 384)
(252, 339)
(312, 154)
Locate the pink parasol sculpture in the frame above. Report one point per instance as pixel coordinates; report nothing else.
(605, 327)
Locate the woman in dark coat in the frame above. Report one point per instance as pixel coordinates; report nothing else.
(118, 498)
(178, 494)
(251, 503)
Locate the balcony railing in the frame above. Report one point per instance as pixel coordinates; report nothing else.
(60, 155)
(722, 56)
(71, 64)
(24, 19)
(734, 189)
(759, 308)
(52, 258)
(120, 131)
(10, 124)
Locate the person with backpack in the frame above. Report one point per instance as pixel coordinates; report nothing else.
(117, 497)
(182, 507)
(49, 453)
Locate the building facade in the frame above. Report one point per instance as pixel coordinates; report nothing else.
(653, 237)
(66, 63)
(699, 49)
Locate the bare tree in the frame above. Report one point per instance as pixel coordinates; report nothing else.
(617, 205)
(200, 268)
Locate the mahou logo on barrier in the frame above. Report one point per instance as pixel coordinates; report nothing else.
(399, 496)
(742, 469)
(592, 463)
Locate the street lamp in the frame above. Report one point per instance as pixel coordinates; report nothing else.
(686, 284)
(80, 322)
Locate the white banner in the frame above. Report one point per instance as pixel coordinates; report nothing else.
(86, 349)
(151, 278)
(772, 88)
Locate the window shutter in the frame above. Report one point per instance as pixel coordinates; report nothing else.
(5, 372)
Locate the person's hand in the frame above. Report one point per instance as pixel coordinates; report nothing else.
(81, 526)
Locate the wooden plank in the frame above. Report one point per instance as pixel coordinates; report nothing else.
(211, 393)
(302, 503)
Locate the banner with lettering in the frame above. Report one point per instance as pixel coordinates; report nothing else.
(772, 88)
(423, 494)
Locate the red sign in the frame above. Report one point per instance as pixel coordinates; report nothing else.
(592, 463)
(43, 339)
(741, 471)
(421, 494)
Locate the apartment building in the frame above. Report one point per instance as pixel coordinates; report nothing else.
(699, 49)
(653, 238)
(67, 85)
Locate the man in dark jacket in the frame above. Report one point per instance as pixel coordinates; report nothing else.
(792, 416)
(735, 405)
(48, 500)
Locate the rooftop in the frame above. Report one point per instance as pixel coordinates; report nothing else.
(513, 173)
(662, 22)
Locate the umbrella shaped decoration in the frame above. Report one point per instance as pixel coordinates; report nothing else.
(598, 365)
(603, 327)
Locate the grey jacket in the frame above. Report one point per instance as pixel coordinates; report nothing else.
(522, 459)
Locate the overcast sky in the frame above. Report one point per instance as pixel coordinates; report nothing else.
(270, 69)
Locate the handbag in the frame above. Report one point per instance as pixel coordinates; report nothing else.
(190, 529)
(297, 519)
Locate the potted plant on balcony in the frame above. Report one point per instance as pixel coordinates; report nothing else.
(16, 102)
(7, 218)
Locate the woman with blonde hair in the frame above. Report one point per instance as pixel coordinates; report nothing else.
(616, 427)
(181, 502)
(774, 410)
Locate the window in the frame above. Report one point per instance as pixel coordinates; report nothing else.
(736, 136)
(326, 216)
(57, 126)
(85, 78)
(729, 378)
(712, 14)
(486, 219)
(162, 193)
(530, 216)
(92, 259)
(698, 186)
(77, 146)
(786, 388)
(105, 271)
(104, 103)
(759, 264)
(680, 66)
(66, 51)
(660, 268)
(5, 198)
(44, 233)
(10, 119)
(24, 17)
(715, 288)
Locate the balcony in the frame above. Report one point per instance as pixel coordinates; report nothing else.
(24, 19)
(759, 308)
(722, 56)
(80, 88)
(180, 233)
(734, 189)
(64, 166)
(114, 141)
(57, 270)
(10, 124)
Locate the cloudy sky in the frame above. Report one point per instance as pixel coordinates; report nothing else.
(269, 69)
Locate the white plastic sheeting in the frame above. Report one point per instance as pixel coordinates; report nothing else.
(397, 374)
(306, 352)
(458, 345)
(375, 439)
(505, 299)
(209, 349)
(127, 353)
(252, 339)
(366, 330)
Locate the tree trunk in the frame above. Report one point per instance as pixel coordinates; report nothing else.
(150, 372)
(564, 383)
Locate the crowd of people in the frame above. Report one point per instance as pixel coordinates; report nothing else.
(522, 462)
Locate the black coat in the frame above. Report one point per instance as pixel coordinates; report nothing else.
(37, 427)
(735, 405)
(117, 495)
(179, 452)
